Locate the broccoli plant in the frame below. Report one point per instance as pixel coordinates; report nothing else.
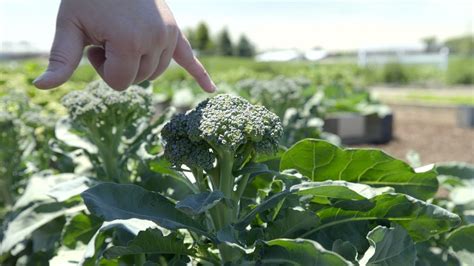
(10, 155)
(325, 205)
(217, 139)
(294, 100)
(111, 124)
(25, 133)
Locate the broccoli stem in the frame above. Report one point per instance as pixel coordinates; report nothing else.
(226, 179)
(241, 188)
(200, 181)
(108, 145)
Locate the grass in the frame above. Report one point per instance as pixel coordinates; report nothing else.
(445, 99)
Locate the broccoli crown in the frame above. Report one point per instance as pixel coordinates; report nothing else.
(222, 123)
(98, 105)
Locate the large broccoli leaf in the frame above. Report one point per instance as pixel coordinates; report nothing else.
(321, 160)
(111, 201)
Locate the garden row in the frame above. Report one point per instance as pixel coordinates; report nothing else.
(123, 178)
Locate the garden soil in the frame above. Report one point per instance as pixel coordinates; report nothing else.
(430, 131)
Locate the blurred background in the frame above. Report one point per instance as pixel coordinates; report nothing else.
(396, 75)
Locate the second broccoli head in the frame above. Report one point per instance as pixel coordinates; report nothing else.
(103, 112)
(222, 126)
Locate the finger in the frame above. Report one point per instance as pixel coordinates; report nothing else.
(165, 60)
(184, 56)
(96, 55)
(66, 53)
(120, 68)
(148, 64)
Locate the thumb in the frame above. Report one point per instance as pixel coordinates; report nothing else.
(65, 55)
(183, 55)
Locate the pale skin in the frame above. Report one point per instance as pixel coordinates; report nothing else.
(127, 42)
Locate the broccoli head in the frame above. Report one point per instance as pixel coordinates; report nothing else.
(223, 126)
(100, 106)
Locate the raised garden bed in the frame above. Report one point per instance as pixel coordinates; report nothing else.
(354, 128)
(465, 116)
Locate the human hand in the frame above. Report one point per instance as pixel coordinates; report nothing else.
(132, 41)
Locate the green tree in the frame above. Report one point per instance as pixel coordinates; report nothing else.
(244, 47)
(191, 36)
(202, 39)
(463, 45)
(431, 44)
(224, 44)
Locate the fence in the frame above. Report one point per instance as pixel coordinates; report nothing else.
(440, 58)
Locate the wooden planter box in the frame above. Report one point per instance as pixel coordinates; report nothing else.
(355, 128)
(465, 116)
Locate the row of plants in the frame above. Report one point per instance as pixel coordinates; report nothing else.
(232, 70)
(120, 179)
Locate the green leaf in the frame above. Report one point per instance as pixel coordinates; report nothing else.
(290, 224)
(111, 201)
(40, 185)
(426, 255)
(253, 169)
(353, 232)
(269, 203)
(457, 169)
(45, 238)
(422, 220)
(345, 249)
(68, 189)
(389, 246)
(462, 238)
(320, 160)
(93, 254)
(68, 257)
(198, 203)
(80, 228)
(298, 252)
(64, 132)
(31, 219)
(151, 241)
(321, 190)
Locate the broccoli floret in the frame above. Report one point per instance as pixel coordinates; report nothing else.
(110, 120)
(221, 135)
(181, 150)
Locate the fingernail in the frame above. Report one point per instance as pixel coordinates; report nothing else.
(214, 87)
(38, 79)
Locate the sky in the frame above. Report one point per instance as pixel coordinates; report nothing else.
(280, 24)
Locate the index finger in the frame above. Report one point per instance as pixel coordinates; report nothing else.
(183, 55)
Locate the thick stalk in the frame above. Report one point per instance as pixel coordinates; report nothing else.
(226, 182)
(110, 160)
(225, 212)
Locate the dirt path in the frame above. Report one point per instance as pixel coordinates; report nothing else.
(432, 132)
